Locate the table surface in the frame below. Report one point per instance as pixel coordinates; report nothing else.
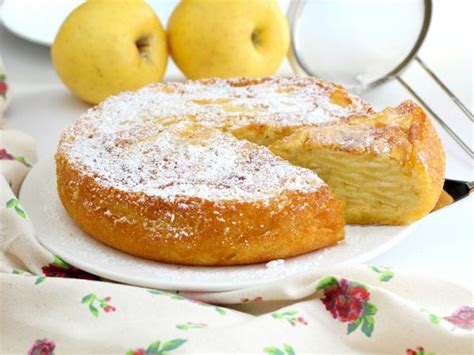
(442, 245)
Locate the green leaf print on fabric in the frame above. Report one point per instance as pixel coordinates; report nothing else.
(172, 344)
(153, 348)
(326, 283)
(291, 316)
(156, 348)
(40, 279)
(167, 294)
(176, 297)
(219, 310)
(385, 273)
(273, 350)
(13, 203)
(191, 325)
(433, 318)
(368, 325)
(348, 302)
(93, 310)
(60, 262)
(354, 325)
(21, 159)
(288, 349)
(92, 301)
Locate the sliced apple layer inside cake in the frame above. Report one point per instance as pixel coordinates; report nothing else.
(387, 167)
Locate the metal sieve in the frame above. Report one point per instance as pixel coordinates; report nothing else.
(364, 43)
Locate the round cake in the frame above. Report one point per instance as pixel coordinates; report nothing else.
(224, 172)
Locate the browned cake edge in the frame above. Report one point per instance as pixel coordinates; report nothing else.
(427, 155)
(240, 233)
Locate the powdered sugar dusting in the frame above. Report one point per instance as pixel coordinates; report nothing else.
(187, 160)
(166, 140)
(230, 104)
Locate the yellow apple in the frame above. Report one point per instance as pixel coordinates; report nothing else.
(108, 46)
(227, 38)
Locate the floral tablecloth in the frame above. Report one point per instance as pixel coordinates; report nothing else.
(50, 307)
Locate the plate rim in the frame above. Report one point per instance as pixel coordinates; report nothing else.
(190, 285)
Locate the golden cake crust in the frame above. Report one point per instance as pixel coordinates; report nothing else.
(241, 232)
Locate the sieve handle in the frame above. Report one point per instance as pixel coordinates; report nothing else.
(443, 86)
(442, 123)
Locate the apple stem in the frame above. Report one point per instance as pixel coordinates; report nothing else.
(142, 45)
(255, 37)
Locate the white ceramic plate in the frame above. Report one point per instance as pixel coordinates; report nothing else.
(57, 233)
(38, 21)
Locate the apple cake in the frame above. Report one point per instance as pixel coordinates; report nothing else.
(225, 172)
